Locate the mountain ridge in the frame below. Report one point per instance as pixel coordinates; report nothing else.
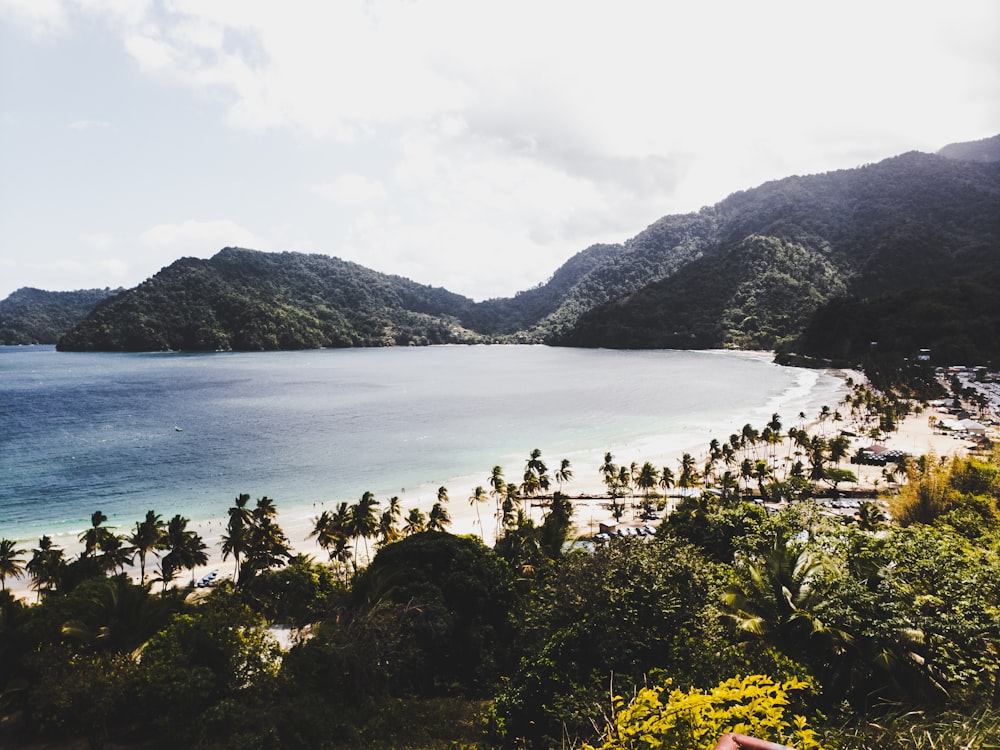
(36, 316)
(755, 270)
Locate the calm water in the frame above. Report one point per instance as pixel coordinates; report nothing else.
(187, 432)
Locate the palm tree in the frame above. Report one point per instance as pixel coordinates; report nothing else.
(511, 500)
(646, 481)
(387, 530)
(186, 549)
(267, 547)
(537, 466)
(97, 537)
(265, 508)
(838, 447)
(689, 475)
(666, 478)
(609, 470)
(624, 478)
(478, 496)
(613, 476)
(395, 508)
(529, 487)
(824, 414)
(147, 537)
(775, 423)
(817, 458)
(773, 436)
(117, 554)
(746, 473)
(536, 478)
(535, 463)
(364, 522)
(728, 455)
(775, 598)
(498, 487)
(11, 565)
(714, 449)
(324, 531)
(121, 618)
(45, 566)
(416, 522)
(438, 519)
(565, 473)
(332, 534)
(234, 541)
(761, 471)
(728, 487)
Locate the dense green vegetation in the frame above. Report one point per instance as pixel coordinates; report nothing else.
(817, 630)
(958, 320)
(32, 316)
(879, 244)
(246, 300)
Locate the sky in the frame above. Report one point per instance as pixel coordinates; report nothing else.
(474, 145)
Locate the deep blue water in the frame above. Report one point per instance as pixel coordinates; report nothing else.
(186, 433)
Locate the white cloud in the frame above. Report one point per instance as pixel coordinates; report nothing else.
(41, 18)
(351, 189)
(89, 125)
(153, 55)
(98, 240)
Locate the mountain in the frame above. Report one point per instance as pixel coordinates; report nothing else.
(34, 316)
(250, 300)
(987, 149)
(781, 258)
(821, 265)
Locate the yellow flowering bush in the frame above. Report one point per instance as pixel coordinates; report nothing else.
(663, 719)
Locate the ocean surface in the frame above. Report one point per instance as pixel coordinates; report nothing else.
(186, 433)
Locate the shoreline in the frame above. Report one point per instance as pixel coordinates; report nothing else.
(586, 489)
(915, 435)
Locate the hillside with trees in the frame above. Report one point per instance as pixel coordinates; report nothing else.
(251, 301)
(789, 252)
(986, 149)
(819, 265)
(34, 316)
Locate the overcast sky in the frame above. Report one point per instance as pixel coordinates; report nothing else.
(470, 144)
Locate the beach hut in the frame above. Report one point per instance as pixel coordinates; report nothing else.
(972, 427)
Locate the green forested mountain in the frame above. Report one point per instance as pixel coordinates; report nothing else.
(33, 316)
(249, 300)
(821, 265)
(987, 149)
(783, 257)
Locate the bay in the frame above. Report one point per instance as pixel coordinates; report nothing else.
(185, 433)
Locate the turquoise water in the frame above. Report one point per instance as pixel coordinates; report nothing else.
(186, 433)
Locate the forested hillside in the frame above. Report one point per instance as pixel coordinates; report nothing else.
(249, 300)
(914, 225)
(987, 149)
(33, 316)
(820, 265)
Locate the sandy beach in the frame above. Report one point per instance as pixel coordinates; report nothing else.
(915, 435)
